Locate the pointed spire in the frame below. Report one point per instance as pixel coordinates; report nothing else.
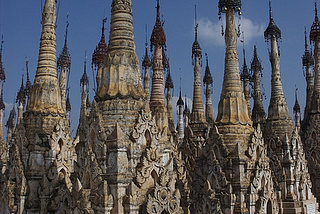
(159, 64)
(180, 101)
(21, 96)
(146, 64)
(2, 73)
(246, 78)
(84, 83)
(180, 122)
(278, 112)
(245, 71)
(196, 49)
(232, 108)
(2, 108)
(314, 37)
(296, 109)
(272, 29)
(169, 82)
(315, 28)
(2, 105)
(307, 59)
(100, 53)
(207, 81)
(121, 77)
(64, 60)
(21, 100)
(11, 123)
(158, 37)
(258, 113)
(99, 56)
(2, 76)
(197, 118)
(63, 65)
(45, 94)
(186, 112)
(169, 87)
(308, 62)
(28, 82)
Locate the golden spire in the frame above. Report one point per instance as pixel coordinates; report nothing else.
(45, 94)
(233, 108)
(121, 76)
(197, 115)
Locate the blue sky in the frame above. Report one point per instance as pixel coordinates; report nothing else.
(21, 28)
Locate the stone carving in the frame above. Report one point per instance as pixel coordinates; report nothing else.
(163, 199)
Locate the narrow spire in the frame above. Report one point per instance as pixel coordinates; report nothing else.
(2, 105)
(169, 87)
(146, 64)
(2, 108)
(158, 45)
(197, 118)
(308, 62)
(101, 50)
(258, 113)
(158, 37)
(278, 113)
(232, 108)
(21, 100)
(63, 65)
(28, 85)
(195, 23)
(45, 94)
(180, 127)
(64, 58)
(196, 49)
(208, 81)
(84, 82)
(315, 28)
(272, 29)
(11, 123)
(99, 55)
(2, 73)
(186, 112)
(84, 79)
(314, 37)
(21, 96)
(246, 78)
(296, 109)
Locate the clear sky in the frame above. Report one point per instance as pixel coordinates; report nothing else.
(21, 28)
